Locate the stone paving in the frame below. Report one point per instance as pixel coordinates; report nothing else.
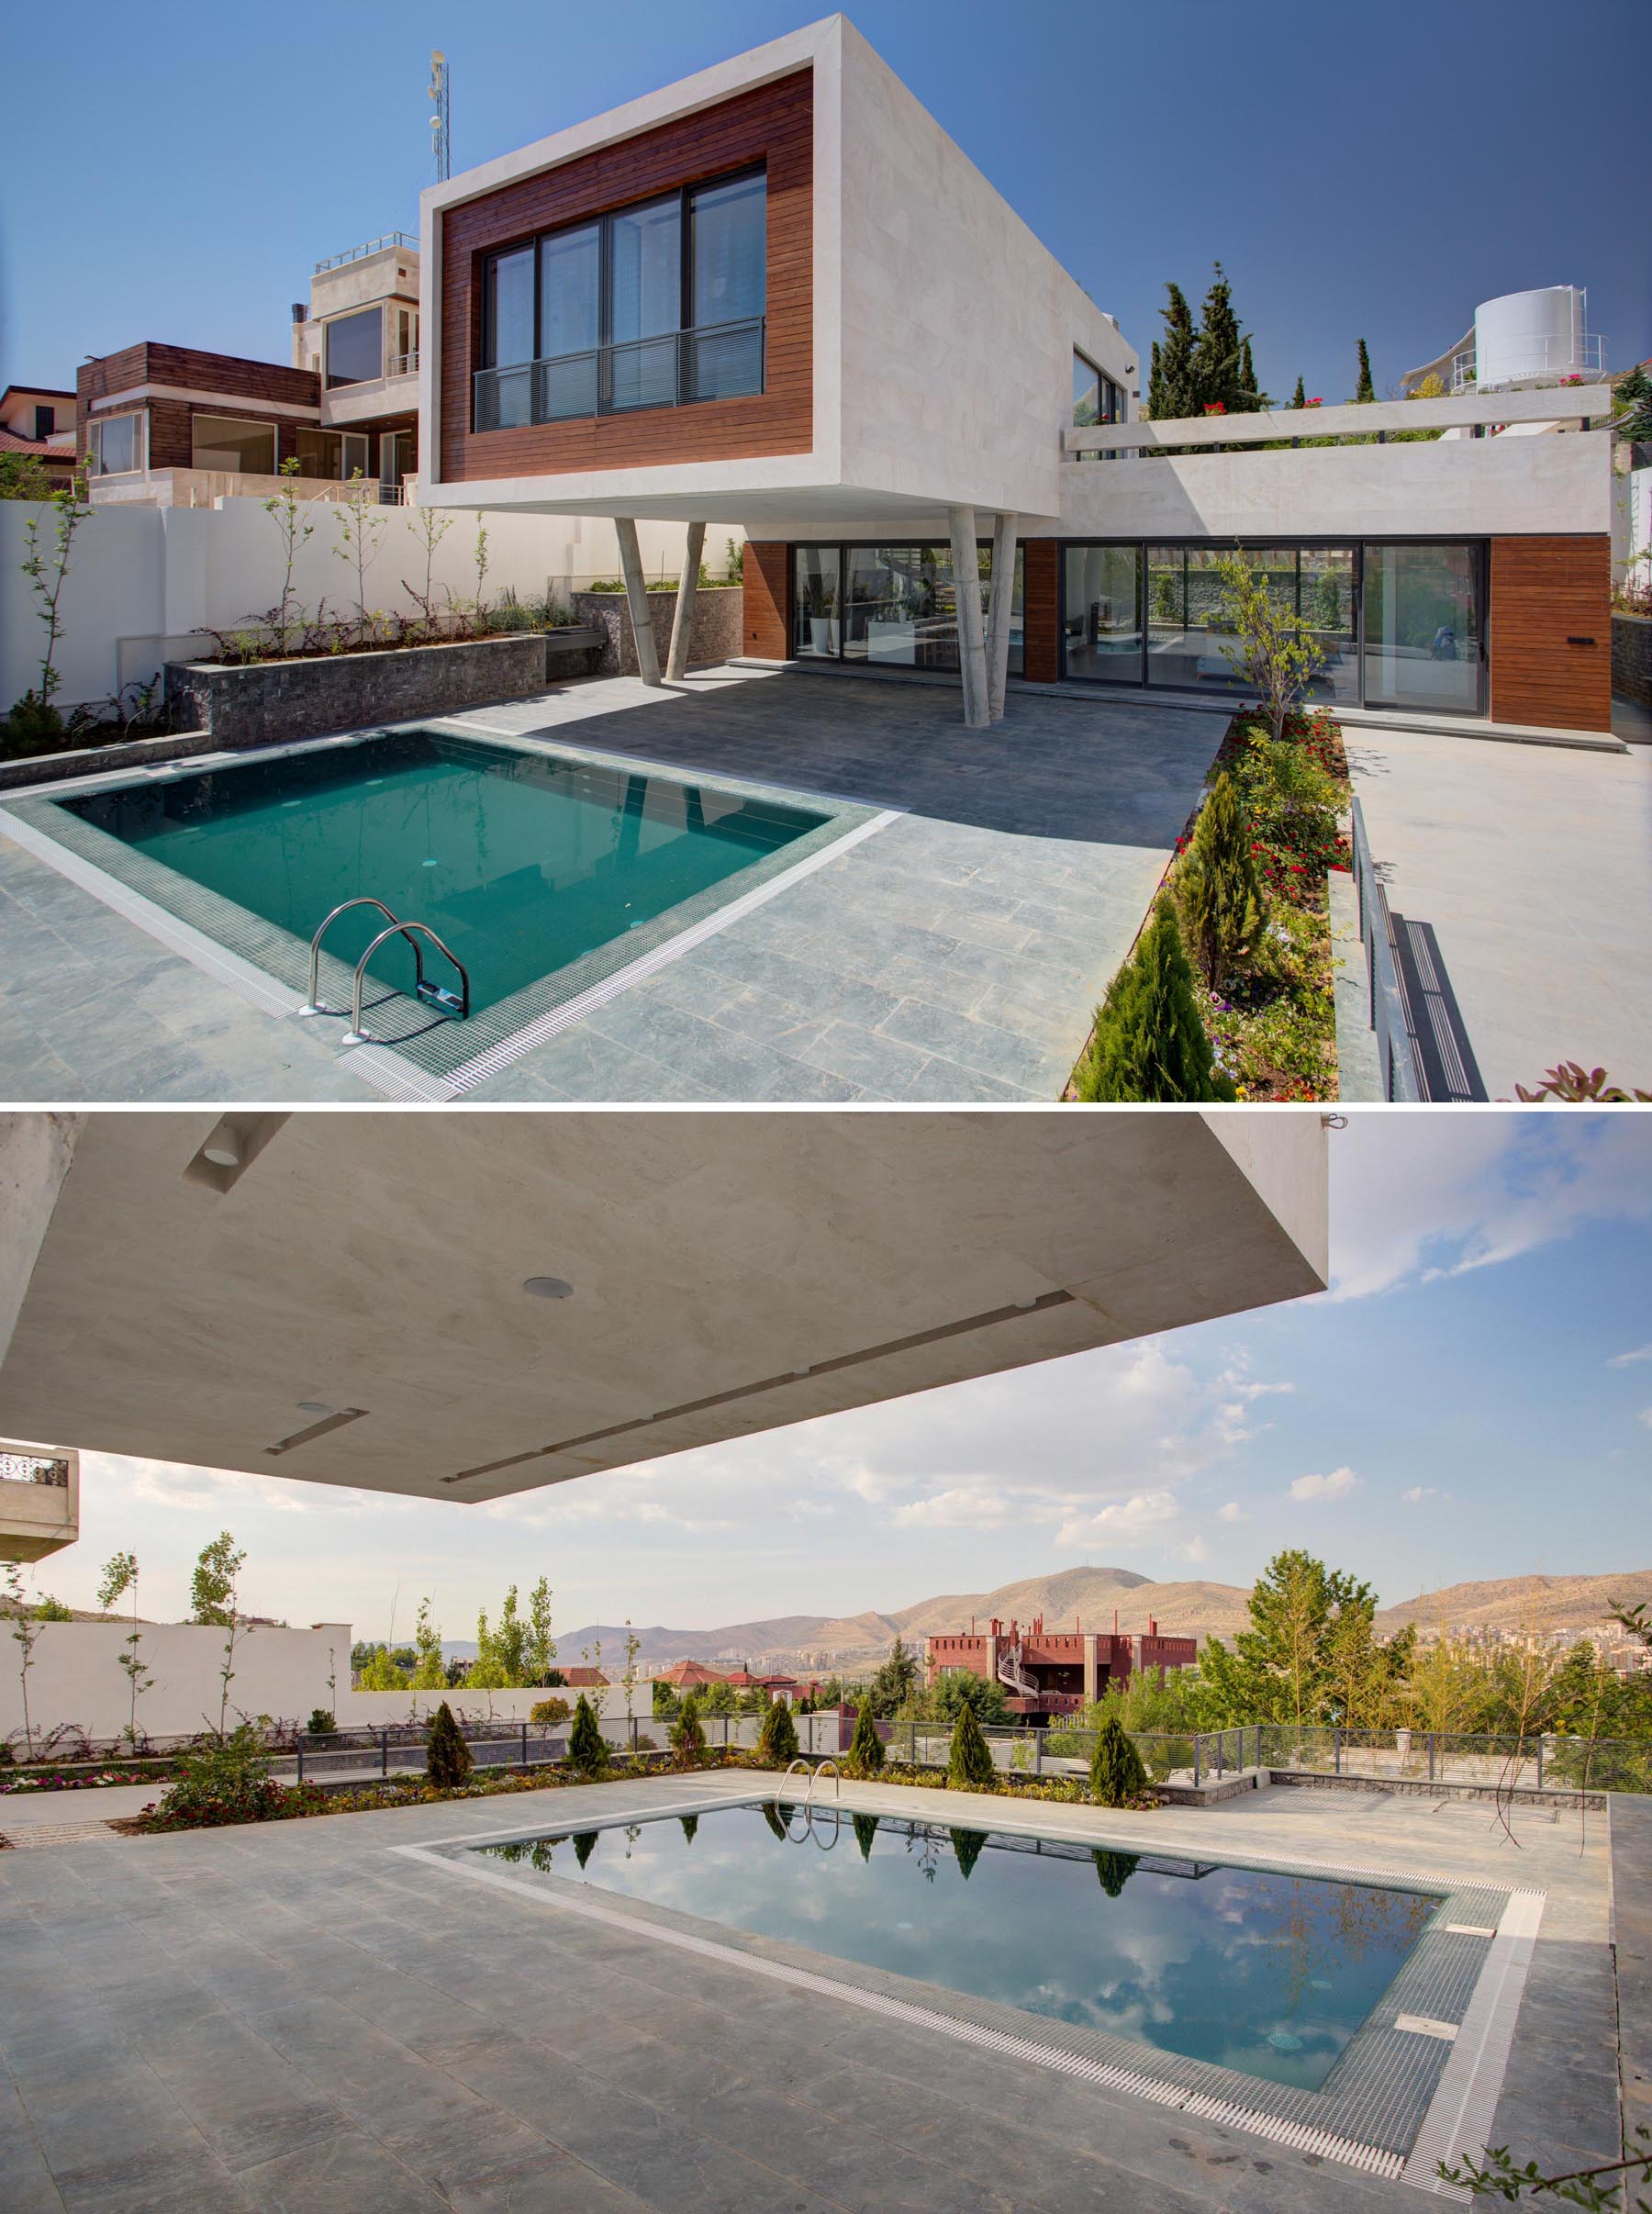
(1531, 863)
(956, 955)
(298, 2016)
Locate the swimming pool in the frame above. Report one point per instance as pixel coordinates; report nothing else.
(1269, 1975)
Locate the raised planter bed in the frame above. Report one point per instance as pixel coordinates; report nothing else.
(266, 703)
(716, 634)
(99, 760)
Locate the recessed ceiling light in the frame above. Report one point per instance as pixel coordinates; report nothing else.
(314, 1406)
(548, 1287)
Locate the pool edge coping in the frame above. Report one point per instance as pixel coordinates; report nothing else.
(1462, 2099)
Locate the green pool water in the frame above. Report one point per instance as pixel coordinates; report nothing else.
(1269, 1975)
(521, 862)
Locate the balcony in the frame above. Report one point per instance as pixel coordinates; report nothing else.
(393, 242)
(39, 1500)
(1377, 420)
(721, 360)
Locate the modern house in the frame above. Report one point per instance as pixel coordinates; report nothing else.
(173, 426)
(39, 420)
(776, 297)
(1049, 1671)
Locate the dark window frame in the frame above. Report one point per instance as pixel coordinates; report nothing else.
(841, 547)
(606, 346)
(1480, 547)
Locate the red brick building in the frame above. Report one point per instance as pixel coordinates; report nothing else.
(1049, 1671)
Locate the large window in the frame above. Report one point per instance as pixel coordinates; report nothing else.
(890, 604)
(335, 456)
(1396, 625)
(116, 444)
(215, 443)
(1096, 399)
(654, 305)
(356, 347)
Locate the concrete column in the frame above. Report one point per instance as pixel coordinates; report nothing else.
(972, 644)
(636, 600)
(35, 1153)
(998, 613)
(682, 624)
(1090, 1666)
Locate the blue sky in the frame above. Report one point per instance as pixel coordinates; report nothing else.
(1360, 173)
(1472, 1398)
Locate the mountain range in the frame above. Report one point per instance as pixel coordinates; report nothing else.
(1090, 1596)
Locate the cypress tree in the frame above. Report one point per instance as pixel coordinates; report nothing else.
(771, 1815)
(970, 1767)
(1634, 391)
(1366, 390)
(588, 1751)
(1150, 1042)
(1218, 352)
(777, 1740)
(865, 1830)
(585, 1845)
(1116, 1771)
(1253, 397)
(687, 1732)
(447, 1756)
(1173, 387)
(866, 1750)
(1221, 899)
(1298, 399)
(690, 1828)
(968, 1846)
(1114, 1870)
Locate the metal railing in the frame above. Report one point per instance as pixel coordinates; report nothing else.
(402, 364)
(1548, 353)
(396, 238)
(1385, 1001)
(1550, 1762)
(34, 1468)
(721, 360)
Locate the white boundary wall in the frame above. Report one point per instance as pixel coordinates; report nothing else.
(141, 580)
(76, 1678)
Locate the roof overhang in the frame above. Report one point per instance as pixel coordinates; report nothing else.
(346, 1301)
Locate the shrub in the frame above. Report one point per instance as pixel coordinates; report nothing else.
(320, 1724)
(1117, 1776)
(34, 726)
(1220, 899)
(1150, 1042)
(220, 1781)
(447, 1756)
(687, 1732)
(970, 1767)
(777, 1740)
(547, 1711)
(587, 1749)
(866, 1750)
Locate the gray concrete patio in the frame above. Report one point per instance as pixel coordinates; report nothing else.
(1534, 865)
(956, 955)
(300, 2016)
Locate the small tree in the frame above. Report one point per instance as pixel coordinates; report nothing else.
(896, 1680)
(429, 1672)
(777, 1740)
(433, 527)
(25, 1629)
(1273, 646)
(587, 1749)
(970, 1767)
(25, 476)
(688, 1733)
(47, 572)
(481, 558)
(541, 1645)
(866, 1750)
(1298, 399)
(214, 1601)
(1219, 898)
(1150, 1041)
(361, 524)
(1365, 391)
(1117, 1775)
(120, 1576)
(382, 1674)
(734, 561)
(447, 1756)
(628, 1674)
(286, 511)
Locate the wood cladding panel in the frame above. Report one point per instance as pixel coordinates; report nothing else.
(771, 125)
(1041, 610)
(765, 618)
(1550, 637)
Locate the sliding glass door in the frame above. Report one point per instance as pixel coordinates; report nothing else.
(1102, 620)
(1423, 628)
(817, 602)
(893, 605)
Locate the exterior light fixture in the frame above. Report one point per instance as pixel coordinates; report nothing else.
(223, 1147)
(547, 1287)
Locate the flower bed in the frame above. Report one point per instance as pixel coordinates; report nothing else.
(65, 1780)
(1269, 1008)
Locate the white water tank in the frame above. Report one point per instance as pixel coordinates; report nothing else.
(1529, 338)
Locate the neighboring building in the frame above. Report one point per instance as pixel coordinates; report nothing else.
(1047, 1672)
(39, 1500)
(776, 295)
(173, 426)
(39, 420)
(689, 1675)
(1524, 339)
(585, 1679)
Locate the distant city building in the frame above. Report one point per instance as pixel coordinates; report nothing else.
(1046, 1672)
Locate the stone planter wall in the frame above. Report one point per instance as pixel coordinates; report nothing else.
(283, 699)
(1632, 657)
(715, 637)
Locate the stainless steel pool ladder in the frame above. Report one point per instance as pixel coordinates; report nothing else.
(455, 1006)
(814, 1775)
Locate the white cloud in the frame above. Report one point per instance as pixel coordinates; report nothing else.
(1415, 1199)
(1232, 1511)
(1419, 1492)
(1337, 1485)
(954, 1510)
(1123, 1518)
(1623, 1360)
(1646, 1415)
